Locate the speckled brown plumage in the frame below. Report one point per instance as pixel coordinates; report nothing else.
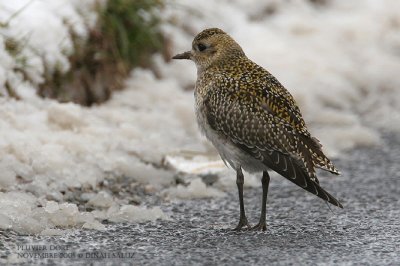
(250, 117)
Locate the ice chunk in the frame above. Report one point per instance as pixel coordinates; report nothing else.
(196, 189)
(95, 225)
(131, 213)
(5, 222)
(195, 165)
(51, 207)
(102, 199)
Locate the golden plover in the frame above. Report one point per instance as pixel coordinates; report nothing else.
(252, 120)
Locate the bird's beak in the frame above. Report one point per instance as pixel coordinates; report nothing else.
(185, 55)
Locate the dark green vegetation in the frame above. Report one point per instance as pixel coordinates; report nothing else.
(125, 35)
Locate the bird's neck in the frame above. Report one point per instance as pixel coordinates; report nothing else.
(223, 64)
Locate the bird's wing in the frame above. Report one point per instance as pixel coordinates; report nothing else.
(264, 133)
(275, 99)
(240, 116)
(278, 101)
(255, 115)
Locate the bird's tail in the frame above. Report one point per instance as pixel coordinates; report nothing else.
(318, 158)
(289, 168)
(292, 169)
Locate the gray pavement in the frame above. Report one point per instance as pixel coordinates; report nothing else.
(302, 230)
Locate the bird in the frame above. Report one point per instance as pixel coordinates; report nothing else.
(252, 120)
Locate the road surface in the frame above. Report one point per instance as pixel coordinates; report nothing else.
(301, 227)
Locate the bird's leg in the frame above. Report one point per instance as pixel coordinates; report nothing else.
(265, 183)
(240, 181)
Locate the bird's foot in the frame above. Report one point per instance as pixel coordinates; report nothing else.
(261, 226)
(242, 222)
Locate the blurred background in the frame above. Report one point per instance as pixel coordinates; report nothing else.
(96, 119)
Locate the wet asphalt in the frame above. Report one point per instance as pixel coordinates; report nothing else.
(301, 230)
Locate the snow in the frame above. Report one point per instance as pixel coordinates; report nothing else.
(194, 165)
(131, 213)
(102, 199)
(42, 28)
(340, 61)
(196, 189)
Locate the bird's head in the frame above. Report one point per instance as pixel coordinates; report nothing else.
(211, 47)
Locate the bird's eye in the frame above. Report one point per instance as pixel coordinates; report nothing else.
(201, 47)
